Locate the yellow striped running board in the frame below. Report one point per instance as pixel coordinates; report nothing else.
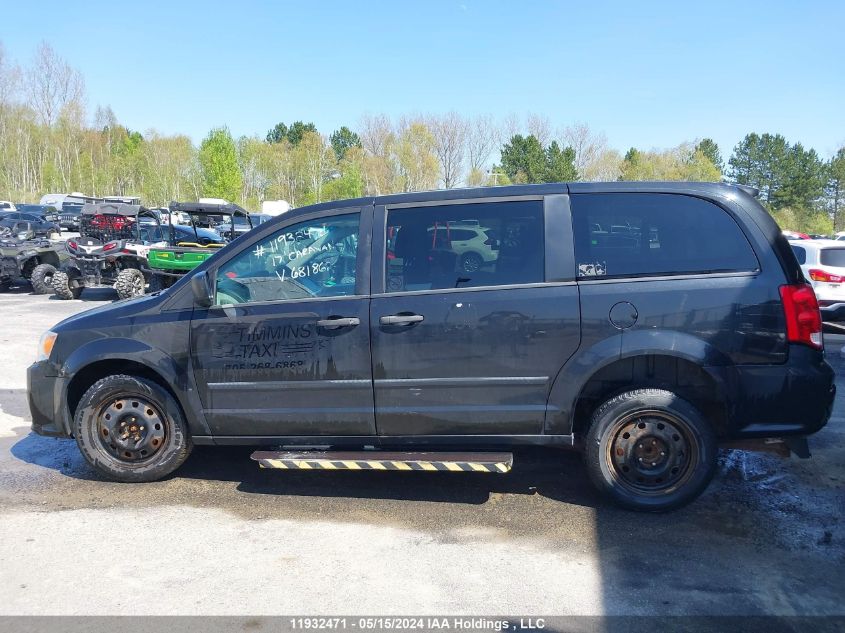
(378, 460)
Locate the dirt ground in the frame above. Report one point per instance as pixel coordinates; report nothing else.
(223, 537)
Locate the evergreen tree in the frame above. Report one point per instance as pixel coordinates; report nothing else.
(342, 140)
(560, 164)
(709, 148)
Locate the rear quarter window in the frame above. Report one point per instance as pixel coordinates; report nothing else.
(633, 235)
(800, 254)
(832, 257)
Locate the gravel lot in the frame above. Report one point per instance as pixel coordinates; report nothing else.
(223, 537)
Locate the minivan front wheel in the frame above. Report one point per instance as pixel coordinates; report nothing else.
(131, 429)
(650, 450)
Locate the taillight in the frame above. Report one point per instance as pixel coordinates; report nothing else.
(72, 244)
(822, 275)
(803, 319)
(110, 246)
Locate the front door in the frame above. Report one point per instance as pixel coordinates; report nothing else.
(285, 350)
(468, 329)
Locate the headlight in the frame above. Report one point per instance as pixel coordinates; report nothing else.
(45, 345)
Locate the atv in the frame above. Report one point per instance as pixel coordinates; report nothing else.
(24, 256)
(111, 251)
(189, 246)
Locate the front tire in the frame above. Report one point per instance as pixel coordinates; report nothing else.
(650, 450)
(131, 429)
(41, 279)
(130, 283)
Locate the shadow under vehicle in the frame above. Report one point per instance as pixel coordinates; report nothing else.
(111, 251)
(190, 245)
(24, 256)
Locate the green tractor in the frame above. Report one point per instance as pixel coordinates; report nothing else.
(191, 244)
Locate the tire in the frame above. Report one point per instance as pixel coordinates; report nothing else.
(63, 286)
(130, 283)
(122, 405)
(42, 279)
(156, 283)
(650, 450)
(471, 262)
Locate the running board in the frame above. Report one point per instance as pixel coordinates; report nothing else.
(379, 460)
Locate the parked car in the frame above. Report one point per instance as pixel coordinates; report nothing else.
(823, 264)
(45, 211)
(22, 222)
(5, 206)
(70, 216)
(644, 349)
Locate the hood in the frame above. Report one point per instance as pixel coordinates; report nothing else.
(111, 313)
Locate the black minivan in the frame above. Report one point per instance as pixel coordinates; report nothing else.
(642, 323)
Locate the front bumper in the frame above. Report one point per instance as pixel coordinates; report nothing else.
(44, 393)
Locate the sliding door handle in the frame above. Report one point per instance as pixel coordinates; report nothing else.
(336, 322)
(401, 319)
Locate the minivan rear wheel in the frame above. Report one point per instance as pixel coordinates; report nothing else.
(131, 429)
(651, 450)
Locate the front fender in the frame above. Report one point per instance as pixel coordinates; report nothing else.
(179, 377)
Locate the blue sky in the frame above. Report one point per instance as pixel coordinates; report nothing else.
(647, 74)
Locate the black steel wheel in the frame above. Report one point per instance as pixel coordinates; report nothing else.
(131, 429)
(649, 449)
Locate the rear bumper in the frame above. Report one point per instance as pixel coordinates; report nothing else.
(832, 311)
(795, 398)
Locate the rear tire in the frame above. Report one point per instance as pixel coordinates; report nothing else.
(131, 429)
(130, 283)
(650, 450)
(42, 279)
(64, 286)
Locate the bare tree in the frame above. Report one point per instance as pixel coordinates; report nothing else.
(606, 166)
(9, 79)
(449, 131)
(540, 128)
(376, 134)
(588, 146)
(52, 85)
(511, 126)
(482, 138)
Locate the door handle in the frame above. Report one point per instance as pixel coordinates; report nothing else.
(339, 322)
(401, 319)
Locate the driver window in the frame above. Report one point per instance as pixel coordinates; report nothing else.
(316, 258)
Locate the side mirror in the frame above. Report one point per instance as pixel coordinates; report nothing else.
(202, 289)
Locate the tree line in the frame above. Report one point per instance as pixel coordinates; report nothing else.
(48, 143)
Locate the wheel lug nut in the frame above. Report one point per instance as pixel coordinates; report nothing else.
(641, 459)
(662, 454)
